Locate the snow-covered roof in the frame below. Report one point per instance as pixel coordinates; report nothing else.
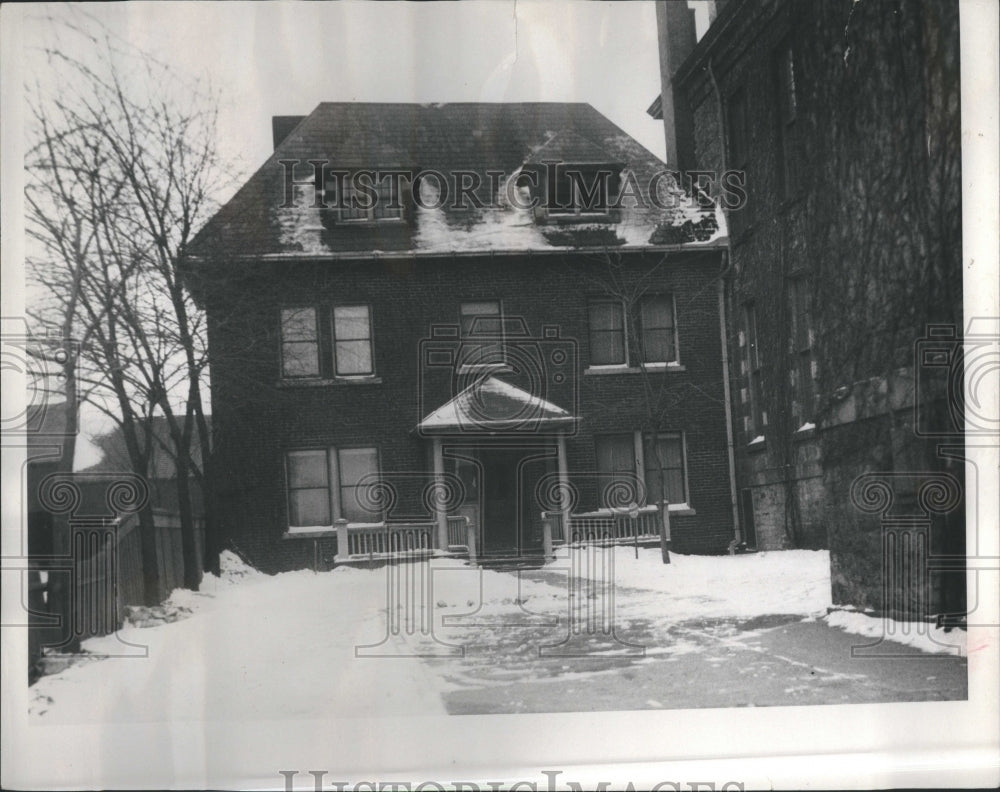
(476, 138)
(490, 404)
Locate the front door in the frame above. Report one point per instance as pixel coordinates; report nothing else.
(501, 518)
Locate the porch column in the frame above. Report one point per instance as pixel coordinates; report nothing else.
(440, 515)
(564, 485)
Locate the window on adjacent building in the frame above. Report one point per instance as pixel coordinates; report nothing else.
(352, 340)
(330, 483)
(754, 371)
(308, 489)
(787, 96)
(616, 464)
(607, 333)
(579, 189)
(657, 335)
(299, 343)
(663, 460)
(482, 333)
(354, 465)
(801, 350)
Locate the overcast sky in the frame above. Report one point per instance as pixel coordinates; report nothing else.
(284, 58)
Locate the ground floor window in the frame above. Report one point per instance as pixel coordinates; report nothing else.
(324, 484)
(655, 460)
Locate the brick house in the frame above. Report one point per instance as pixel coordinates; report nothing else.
(541, 342)
(846, 264)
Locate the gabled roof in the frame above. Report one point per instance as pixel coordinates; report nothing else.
(475, 137)
(491, 405)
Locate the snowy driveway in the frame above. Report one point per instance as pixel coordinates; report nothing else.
(628, 634)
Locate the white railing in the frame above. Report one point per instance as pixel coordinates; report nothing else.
(383, 540)
(606, 526)
(387, 540)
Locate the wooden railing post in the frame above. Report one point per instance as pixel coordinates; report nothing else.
(470, 540)
(547, 537)
(343, 548)
(665, 531)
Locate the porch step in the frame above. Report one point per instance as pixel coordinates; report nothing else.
(503, 563)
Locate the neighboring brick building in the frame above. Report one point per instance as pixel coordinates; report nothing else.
(361, 353)
(844, 118)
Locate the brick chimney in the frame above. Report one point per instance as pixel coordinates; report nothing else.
(676, 32)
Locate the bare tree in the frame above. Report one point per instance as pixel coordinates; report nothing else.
(121, 173)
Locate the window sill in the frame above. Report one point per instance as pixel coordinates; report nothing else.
(322, 382)
(681, 510)
(599, 370)
(757, 444)
(472, 368)
(805, 432)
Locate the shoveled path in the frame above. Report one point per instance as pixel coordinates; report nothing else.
(522, 665)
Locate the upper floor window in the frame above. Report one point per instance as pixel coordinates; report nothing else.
(607, 333)
(482, 333)
(299, 343)
(655, 339)
(579, 189)
(352, 340)
(656, 329)
(319, 341)
(788, 110)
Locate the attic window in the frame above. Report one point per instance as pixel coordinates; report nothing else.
(365, 197)
(579, 190)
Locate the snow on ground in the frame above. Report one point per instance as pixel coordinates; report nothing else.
(923, 636)
(256, 646)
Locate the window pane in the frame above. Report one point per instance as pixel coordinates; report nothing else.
(675, 486)
(309, 507)
(307, 469)
(350, 322)
(606, 316)
(658, 346)
(298, 324)
(354, 357)
(480, 309)
(657, 312)
(356, 463)
(300, 359)
(607, 348)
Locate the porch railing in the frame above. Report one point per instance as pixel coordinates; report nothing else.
(606, 526)
(361, 541)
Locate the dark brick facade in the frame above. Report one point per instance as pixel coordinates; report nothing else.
(257, 416)
(853, 192)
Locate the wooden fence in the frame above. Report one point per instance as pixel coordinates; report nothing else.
(607, 527)
(104, 575)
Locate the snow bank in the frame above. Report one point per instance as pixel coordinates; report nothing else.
(919, 635)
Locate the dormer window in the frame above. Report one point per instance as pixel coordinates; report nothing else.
(579, 190)
(364, 197)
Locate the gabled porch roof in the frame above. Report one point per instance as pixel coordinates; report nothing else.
(491, 405)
